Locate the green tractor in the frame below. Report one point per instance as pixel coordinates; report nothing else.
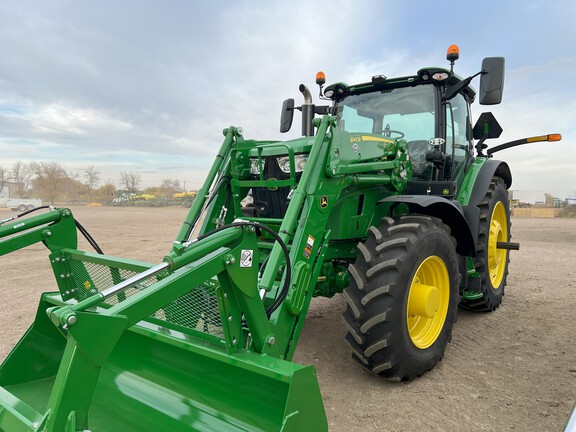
(382, 199)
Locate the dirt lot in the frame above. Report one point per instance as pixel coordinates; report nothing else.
(514, 368)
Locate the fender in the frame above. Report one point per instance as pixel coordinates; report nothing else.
(476, 184)
(449, 211)
(481, 179)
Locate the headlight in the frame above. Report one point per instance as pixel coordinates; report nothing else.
(299, 162)
(255, 168)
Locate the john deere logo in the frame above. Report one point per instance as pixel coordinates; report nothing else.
(445, 192)
(324, 201)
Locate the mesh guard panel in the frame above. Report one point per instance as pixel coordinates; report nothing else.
(196, 310)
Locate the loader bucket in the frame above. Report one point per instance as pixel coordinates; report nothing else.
(154, 379)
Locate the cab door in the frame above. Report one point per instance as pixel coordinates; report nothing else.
(459, 144)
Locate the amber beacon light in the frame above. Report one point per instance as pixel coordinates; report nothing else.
(453, 53)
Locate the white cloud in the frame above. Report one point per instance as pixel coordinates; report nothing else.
(63, 119)
(150, 86)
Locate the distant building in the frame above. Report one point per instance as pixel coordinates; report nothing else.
(5, 191)
(10, 190)
(529, 196)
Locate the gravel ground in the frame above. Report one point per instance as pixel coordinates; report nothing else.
(513, 369)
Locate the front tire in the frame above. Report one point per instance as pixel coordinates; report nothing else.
(492, 262)
(403, 296)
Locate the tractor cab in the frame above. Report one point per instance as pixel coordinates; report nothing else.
(429, 111)
(412, 109)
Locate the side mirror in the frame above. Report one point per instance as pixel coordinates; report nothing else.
(492, 81)
(287, 115)
(487, 127)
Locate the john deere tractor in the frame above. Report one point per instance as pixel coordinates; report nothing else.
(390, 197)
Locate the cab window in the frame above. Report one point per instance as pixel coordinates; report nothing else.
(458, 140)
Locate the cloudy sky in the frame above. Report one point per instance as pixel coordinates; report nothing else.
(148, 86)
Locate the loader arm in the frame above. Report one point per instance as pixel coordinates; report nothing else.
(122, 337)
(55, 228)
(304, 227)
(294, 260)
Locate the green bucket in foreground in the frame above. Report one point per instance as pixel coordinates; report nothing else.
(155, 379)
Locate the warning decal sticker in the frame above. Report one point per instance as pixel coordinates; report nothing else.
(309, 246)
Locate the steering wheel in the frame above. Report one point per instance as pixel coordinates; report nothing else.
(388, 132)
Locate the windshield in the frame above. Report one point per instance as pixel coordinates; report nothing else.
(409, 111)
(406, 113)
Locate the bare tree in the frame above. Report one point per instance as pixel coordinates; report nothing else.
(130, 181)
(170, 187)
(4, 177)
(548, 200)
(107, 191)
(22, 175)
(72, 184)
(92, 179)
(51, 179)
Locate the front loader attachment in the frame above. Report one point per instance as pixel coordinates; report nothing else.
(182, 346)
(156, 380)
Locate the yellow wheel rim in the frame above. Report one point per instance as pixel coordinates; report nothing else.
(497, 258)
(428, 301)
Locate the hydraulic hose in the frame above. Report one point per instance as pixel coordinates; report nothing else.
(89, 238)
(83, 230)
(285, 287)
(19, 215)
(210, 199)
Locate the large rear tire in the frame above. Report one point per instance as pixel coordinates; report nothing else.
(403, 297)
(492, 262)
